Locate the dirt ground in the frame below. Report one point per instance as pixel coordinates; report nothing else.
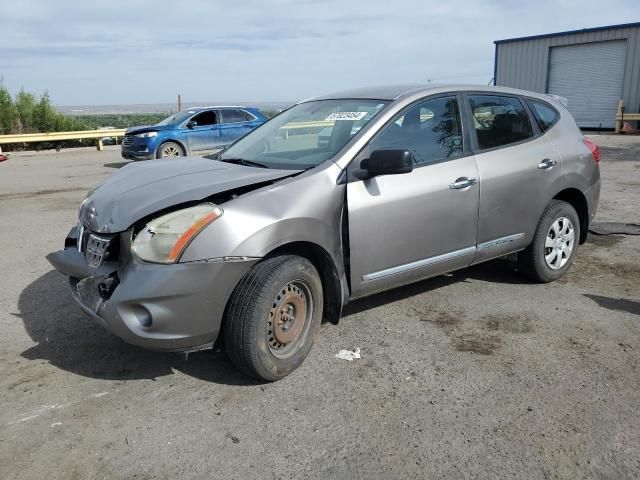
(477, 374)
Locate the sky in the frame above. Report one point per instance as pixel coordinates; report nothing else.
(133, 52)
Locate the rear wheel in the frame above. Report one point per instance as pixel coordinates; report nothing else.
(273, 316)
(169, 150)
(554, 244)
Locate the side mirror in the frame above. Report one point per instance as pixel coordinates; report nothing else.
(388, 162)
(192, 124)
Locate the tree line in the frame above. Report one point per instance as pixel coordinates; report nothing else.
(28, 113)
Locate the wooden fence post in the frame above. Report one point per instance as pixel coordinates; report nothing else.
(619, 116)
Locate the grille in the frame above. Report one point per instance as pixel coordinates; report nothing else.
(128, 141)
(96, 250)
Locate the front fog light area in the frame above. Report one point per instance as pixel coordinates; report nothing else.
(142, 315)
(165, 238)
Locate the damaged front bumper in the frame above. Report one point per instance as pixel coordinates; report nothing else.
(177, 307)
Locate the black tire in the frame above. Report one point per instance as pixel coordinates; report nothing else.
(170, 150)
(258, 313)
(532, 261)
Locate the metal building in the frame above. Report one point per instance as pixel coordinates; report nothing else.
(593, 68)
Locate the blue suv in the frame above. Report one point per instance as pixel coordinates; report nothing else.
(190, 131)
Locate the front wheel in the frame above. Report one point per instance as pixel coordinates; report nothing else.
(272, 317)
(169, 150)
(554, 244)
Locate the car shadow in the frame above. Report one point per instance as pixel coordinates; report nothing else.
(616, 304)
(115, 164)
(68, 339)
(496, 271)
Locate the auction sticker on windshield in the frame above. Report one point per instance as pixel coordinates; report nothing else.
(346, 116)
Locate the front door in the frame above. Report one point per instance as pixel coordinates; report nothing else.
(520, 171)
(204, 134)
(406, 227)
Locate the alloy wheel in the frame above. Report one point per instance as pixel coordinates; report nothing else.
(558, 245)
(171, 151)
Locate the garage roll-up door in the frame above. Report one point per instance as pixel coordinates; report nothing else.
(590, 76)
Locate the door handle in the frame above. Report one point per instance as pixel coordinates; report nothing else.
(461, 183)
(547, 164)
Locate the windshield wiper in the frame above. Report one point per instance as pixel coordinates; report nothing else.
(245, 162)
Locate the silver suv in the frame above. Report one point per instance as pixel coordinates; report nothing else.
(336, 198)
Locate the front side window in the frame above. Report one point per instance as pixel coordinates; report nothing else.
(432, 130)
(545, 114)
(232, 116)
(305, 135)
(499, 121)
(207, 117)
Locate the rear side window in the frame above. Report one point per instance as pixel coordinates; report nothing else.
(232, 116)
(545, 114)
(499, 120)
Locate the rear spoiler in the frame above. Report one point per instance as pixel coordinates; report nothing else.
(562, 100)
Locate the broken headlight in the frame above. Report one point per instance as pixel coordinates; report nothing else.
(164, 239)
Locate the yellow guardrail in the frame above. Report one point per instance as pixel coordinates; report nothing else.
(621, 116)
(300, 125)
(319, 124)
(58, 136)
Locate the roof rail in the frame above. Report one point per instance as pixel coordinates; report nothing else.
(226, 106)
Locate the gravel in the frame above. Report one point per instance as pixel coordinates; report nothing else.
(476, 374)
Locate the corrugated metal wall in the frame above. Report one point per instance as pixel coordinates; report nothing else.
(524, 63)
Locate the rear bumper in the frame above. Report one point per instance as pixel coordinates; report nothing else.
(592, 195)
(176, 307)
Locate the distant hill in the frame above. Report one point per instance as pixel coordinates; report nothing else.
(159, 107)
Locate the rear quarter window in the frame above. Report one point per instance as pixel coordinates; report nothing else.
(545, 114)
(232, 116)
(247, 116)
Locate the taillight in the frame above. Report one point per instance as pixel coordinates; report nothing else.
(595, 151)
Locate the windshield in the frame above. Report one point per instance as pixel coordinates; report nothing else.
(176, 118)
(305, 135)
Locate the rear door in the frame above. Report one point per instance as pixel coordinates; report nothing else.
(519, 169)
(415, 225)
(234, 125)
(205, 135)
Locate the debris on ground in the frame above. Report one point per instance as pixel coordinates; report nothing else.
(349, 355)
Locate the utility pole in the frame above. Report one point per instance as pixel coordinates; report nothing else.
(179, 102)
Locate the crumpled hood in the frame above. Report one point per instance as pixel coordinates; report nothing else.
(140, 189)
